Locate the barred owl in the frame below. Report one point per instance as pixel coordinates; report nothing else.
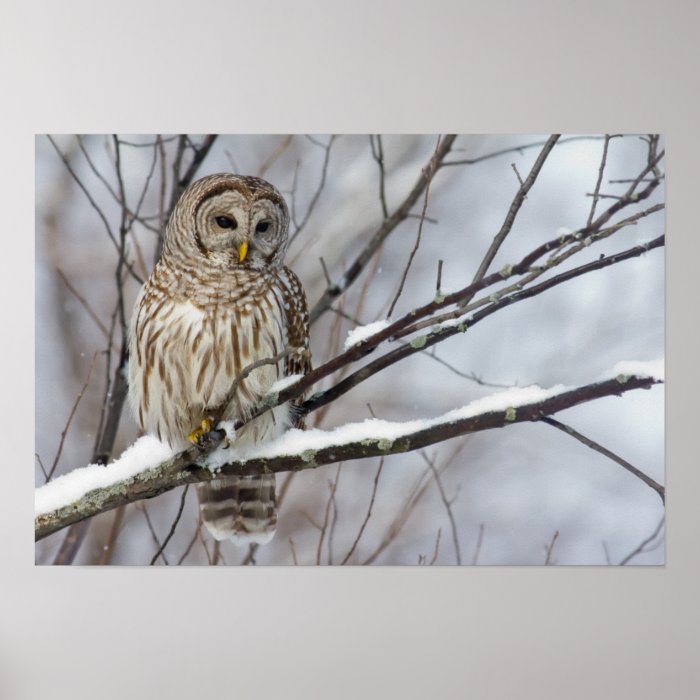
(218, 300)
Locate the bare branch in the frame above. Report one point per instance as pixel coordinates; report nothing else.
(319, 189)
(367, 516)
(183, 556)
(611, 455)
(401, 518)
(41, 465)
(643, 545)
(377, 148)
(70, 418)
(550, 547)
(387, 226)
(516, 149)
(294, 552)
(85, 191)
(172, 529)
(429, 178)
(75, 535)
(279, 150)
(324, 526)
(514, 209)
(440, 334)
(448, 507)
(479, 542)
(161, 554)
(601, 169)
(437, 548)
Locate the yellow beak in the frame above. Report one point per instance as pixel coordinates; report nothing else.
(242, 251)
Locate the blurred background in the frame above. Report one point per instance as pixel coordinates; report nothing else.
(524, 495)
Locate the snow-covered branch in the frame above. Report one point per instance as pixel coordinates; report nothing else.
(148, 468)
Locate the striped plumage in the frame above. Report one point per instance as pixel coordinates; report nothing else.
(208, 311)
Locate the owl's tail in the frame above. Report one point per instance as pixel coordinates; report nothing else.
(242, 509)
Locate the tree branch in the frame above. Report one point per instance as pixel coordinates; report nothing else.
(609, 454)
(387, 226)
(183, 468)
(518, 200)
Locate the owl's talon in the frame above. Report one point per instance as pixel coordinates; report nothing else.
(196, 437)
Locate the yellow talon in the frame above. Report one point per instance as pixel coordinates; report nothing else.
(195, 437)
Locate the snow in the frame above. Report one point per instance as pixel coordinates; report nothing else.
(145, 453)
(284, 383)
(357, 335)
(653, 369)
(148, 452)
(301, 441)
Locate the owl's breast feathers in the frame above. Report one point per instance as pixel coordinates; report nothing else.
(192, 335)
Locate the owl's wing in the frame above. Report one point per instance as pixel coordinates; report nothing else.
(297, 334)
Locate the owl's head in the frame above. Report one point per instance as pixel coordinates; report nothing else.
(231, 220)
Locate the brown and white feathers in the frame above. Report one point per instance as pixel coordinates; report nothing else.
(218, 300)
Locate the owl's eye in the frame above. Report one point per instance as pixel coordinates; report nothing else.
(262, 226)
(226, 222)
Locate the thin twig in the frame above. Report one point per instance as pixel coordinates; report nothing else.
(378, 155)
(367, 516)
(325, 271)
(183, 556)
(172, 528)
(609, 454)
(438, 283)
(70, 418)
(334, 522)
(550, 547)
(107, 352)
(85, 191)
(276, 153)
(447, 504)
(437, 547)
(601, 169)
(398, 523)
(641, 548)
(243, 374)
(516, 149)
(479, 542)
(387, 226)
(319, 189)
(514, 209)
(323, 527)
(161, 553)
(429, 178)
(517, 173)
(294, 552)
(41, 464)
(466, 375)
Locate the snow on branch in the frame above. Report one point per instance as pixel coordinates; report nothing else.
(149, 468)
(361, 333)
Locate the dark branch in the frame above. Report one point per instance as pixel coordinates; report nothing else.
(387, 226)
(610, 455)
(181, 469)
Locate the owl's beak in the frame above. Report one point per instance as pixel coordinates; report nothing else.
(242, 251)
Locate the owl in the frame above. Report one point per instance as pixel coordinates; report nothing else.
(218, 300)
